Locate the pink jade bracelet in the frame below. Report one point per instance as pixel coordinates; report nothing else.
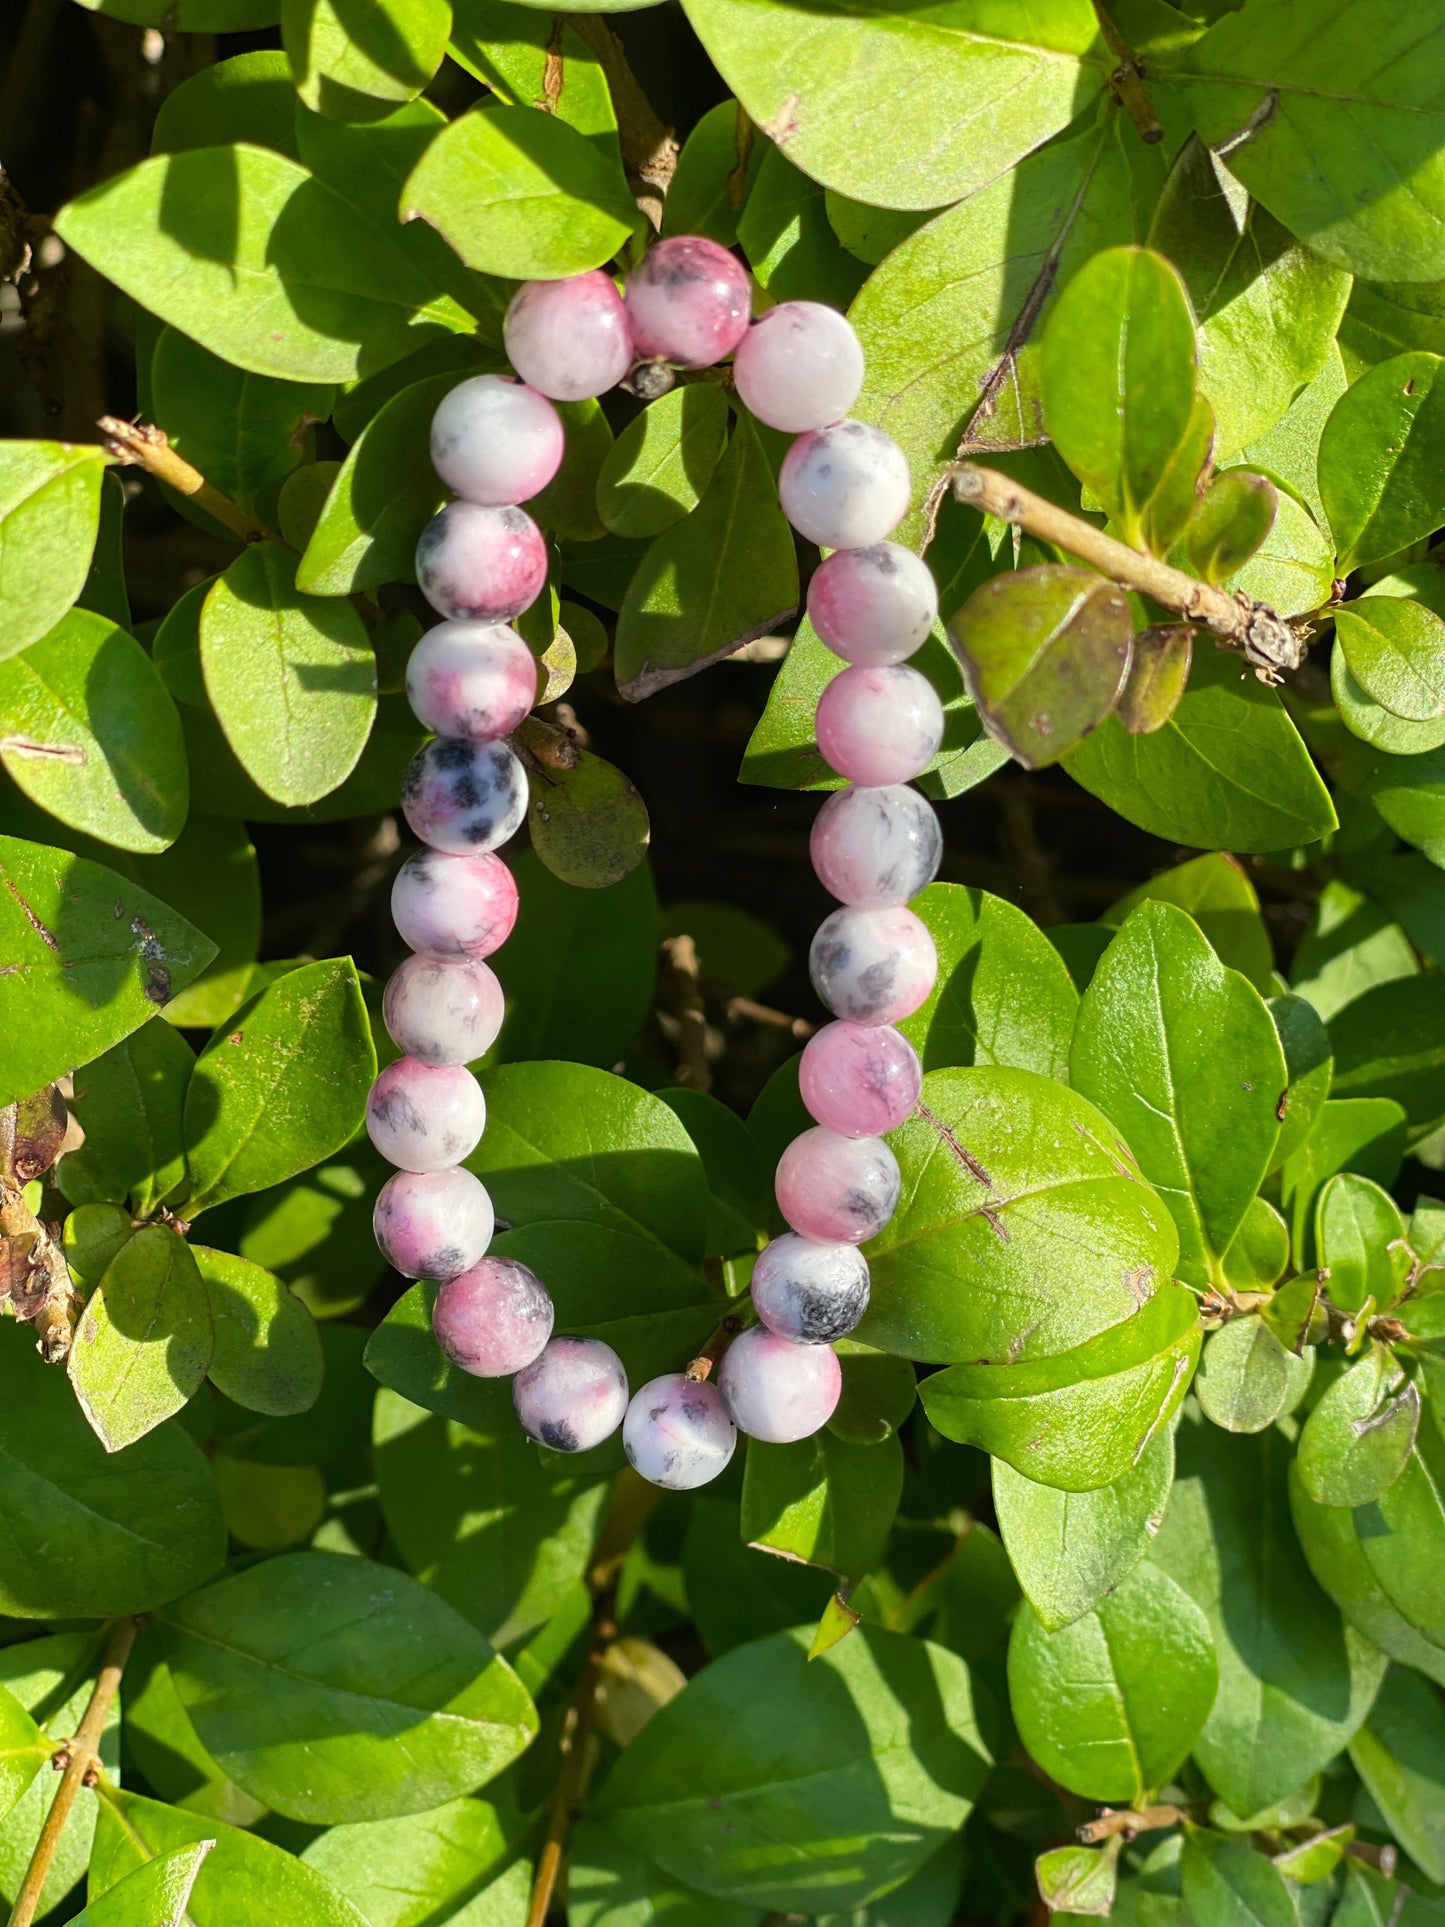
(496, 442)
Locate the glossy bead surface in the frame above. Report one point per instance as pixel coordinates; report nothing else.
(688, 301)
(799, 366)
(476, 679)
(493, 1319)
(873, 606)
(879, 726)
(777, 1391)
(873, 966)
(487, 564)
(496, 441)
(569, 339)
(425, 1117)
(454, 906)
(859, 1079)
(839, 1190)
(876, 848)
(442, 1012)
(433, 1224)
(677, 1433)
(573, 1396)
(844, 487)
(808, 1291)
(459, 796)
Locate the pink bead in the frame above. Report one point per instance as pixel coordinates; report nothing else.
(433, 1224)
(569, 339)
(876, 848)
(425, 1117)
(777, 1391)
(688, 301)
(879, 726)
(873, 606)
(873, 966)
(799, 366)
(573, 1396)
(460, 796)
(859, 1079)
(474, 679)
(483, 563)
(454, 906)
(494, 1319)
(840, 1190)
(443, 1011)
(496, 441)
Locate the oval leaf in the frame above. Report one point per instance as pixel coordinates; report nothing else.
(144, 1340)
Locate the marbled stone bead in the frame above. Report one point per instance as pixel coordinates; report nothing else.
(844, 487)
(808, 1291)
(777, 1391)
(873, 966)
(495, 440)
(487, 564)
(688, 301)
(454, 906)
(879, 726)
(443, 1012)
(875, 849)
(839, 1190)
(423, 1117)
(569, 339)
(859, 1079)
(459, 796)
(873, 606)
(677, 1433)
(493, 1319)
(433, 1224)
(474, 679)
(573, 1396)
(799, 366)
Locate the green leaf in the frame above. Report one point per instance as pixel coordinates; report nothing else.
(1248, 1378)
(1394, 651)
(661, 463)
(245, 1877)
(1399, 1753)
(1364, 1134)
(314, 1231)
(610, 1885)
(1294, 1684)
(82, 974)
(1311, 1065)
(155, 1895)
(291, 677)
(986, 949)
(1078, 1880)
(90, 1534)
(257, 260)
(1228, 771)
(1118, 371)
(724, 575)
(1391, 1043)
(879, 1392)
(1225, 1883)
(1356, 1440)
(568, 1143)
(1243, 270)
(1081, 1419)
(1293, 572)
(249, 97)
(334, 1689)
(792, 1783)
(268, 1354)
(23, 1750)
(1146, 1050)
(981, 92)
(589, 825)
(1378, 209)
(1408, 791)
(485, 1521)
(1380, 460)
(823, 1500)
(89, 732)
(717, 165)
(1233, 521)
(522, 194)
(282, 1089)
(1045, 652)
(738, 1181)
(785, 232)
(1158, 676)
(1350, 946)
(1374, 724)
(1019, 1184)
(49, 513)
(506, 46)
(1356, 1225)
(1110, 1705)
(403, 1873)
(1217, 893)
(1403, 1532)
(1259, 1253)
(1289, 452)
(1072, 1549)
(356, 63)
(144, 1340)
(209, 873)
(130, 1103)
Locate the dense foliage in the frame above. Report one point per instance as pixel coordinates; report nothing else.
(1135, 1498)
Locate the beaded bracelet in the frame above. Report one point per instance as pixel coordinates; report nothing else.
(496, 442)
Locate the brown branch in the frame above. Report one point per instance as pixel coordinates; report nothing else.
(649, 149)
(691, 1013)
(739, 1010)
(1127, 81)
(725, 1331)
(1127, 1822)
(1268, 643)
(34, 1274)
(80, 1757)
(150, 449)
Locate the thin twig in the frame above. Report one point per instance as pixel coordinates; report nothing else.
(83, 1754)
(1268, 643)
(1127, 81)
(739, 1010)
(572, 1783)
(649, 148)
(691, 1013)
(151, 450)
(723, 1334)
(1127, 1822)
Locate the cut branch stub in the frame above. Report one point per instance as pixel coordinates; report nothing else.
(31, 1134)
(1045, 652)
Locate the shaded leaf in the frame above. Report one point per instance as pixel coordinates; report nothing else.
(1158, 674)
(589, 825)
(49, 514)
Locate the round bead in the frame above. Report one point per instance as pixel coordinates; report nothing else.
(569, 339)
(425, 1117)
(873, 606)
(573, 1396)
(799, 366)
(839, 1190)
(873, 966)
(454, 906)
(459, 796)
(876, 848)
(484, 563)
(777, 1391)
(688, 301)
(879, 726)
(476, 679)
(495, 441)
(844, 487)
(442, 1012)
(810, 1292)
(859, 1079)
(493, 1319)
(433, 1224)
(677, 1433)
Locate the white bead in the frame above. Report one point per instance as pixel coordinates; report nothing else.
(799, 366)
(495, 441)
(677, 1433)
(845, 486)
